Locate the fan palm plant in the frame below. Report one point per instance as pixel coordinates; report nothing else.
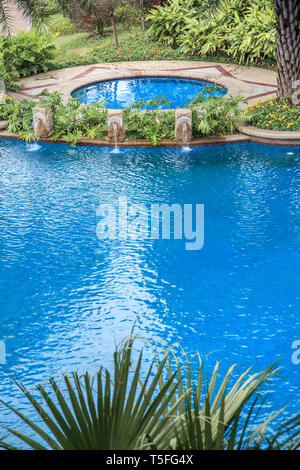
(32, 10)
(156, 407)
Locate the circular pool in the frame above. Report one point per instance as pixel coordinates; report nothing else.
(121, 93)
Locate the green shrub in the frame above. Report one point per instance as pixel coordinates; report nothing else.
(169, 20)
(32, 52)
(6, 107)
(243, 30)
(217, 115)
(153, 125)
(61, 25)
(275, 114)
(25, 54)
(8, 72)
(71, 121)
(128, 14)
(20, 119)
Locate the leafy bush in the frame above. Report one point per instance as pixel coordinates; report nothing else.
(153, 125)
(168, 21)
(71, 121)
(61, 25)
(169, 406)
(20, 119)
(25, 54)
(244, 30)
(275, 114)
(8, 73)
(128, 14)
(217, 115)
(130, 49)
(6, 107)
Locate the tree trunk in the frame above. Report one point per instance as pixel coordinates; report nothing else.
(99, 25)
(142, 15)
(288, 46)
(113, 23)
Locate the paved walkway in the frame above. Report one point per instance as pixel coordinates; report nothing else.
(16, 19)
(250, 82)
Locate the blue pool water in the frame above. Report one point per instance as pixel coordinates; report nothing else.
(66, 298)
(119, 94)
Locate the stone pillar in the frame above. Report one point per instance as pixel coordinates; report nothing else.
(115, 125)
(3, 125)
(42, 122)
(183, 125)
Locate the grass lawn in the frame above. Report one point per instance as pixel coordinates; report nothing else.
(79, 42)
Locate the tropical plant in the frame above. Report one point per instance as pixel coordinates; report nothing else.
(25, 54)
(168, 21)
(61, 25)
(288, 46)
(32, 10)
(157, 406)
(8, 75)
(243, 30)
(128, 13)
(217, 115)
(71, 121)
(20, 119)
(153, 125)
(6, 106)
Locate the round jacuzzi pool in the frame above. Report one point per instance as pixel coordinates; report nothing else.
(122, 93)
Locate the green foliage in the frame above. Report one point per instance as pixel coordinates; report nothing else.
(164, 405)
(206, 93)
(8, 73)
(153, 125)
(31, 52)
(168, 21)
(71, 121)
(243, 30)
(217, 115)
(6, 107)
(130, 49)
(20, 119)
(275, 114)
(25, 54)
(128, 14)
(61, 25)
(74, 122)
(31, 10)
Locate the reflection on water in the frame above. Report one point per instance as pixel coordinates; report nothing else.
(67, 298)
(124, 92)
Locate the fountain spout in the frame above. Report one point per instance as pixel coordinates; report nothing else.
(42, 122)
(115, 125)
(183, 127)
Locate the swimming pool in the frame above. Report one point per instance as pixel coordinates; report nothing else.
(121, 93)
(66, 298)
